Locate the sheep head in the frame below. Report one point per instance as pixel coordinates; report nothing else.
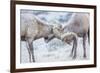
(68, 37)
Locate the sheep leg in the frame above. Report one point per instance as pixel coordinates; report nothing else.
(89, 36)
(84, 44)
(31, 49)
(29, 52)
(74, 49)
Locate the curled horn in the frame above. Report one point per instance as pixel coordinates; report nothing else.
(68, 37)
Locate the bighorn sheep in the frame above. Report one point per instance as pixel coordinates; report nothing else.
(33, 28)
(79, 24)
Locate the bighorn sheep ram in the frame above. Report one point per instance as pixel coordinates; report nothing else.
(79, 24)
(33, 28)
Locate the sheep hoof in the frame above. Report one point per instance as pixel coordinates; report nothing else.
(74, 57)
(33, 60)
(84, 56)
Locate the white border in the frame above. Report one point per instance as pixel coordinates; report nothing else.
(68, 63)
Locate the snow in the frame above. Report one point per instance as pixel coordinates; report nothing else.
(53, 51)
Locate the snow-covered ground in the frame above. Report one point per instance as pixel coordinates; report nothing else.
(54, 50)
